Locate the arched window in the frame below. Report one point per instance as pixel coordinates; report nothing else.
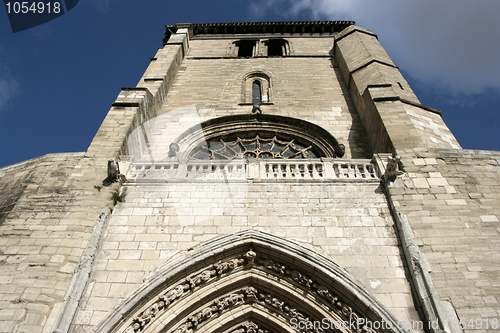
(255, 145)
(256, 88)
(257, 136)
(256, 92)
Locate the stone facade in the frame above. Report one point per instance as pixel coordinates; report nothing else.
(339, 198)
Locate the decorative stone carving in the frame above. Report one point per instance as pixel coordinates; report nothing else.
(256, 109)
(336, 306)
(205, 314)
(247, 295)
(250, 257)
(326, 294)
(214, 309)
(251, 294)
(113, 171)
(249, 327)
(262, 145)
(339, 149)
(300, 278)
(200, 169)
(191, 282)
(201, 278)
(133, 328)
(272, 265)
(173, 149)
(393, 169)
(274, 302)
(228, 266)
(174, 294)
(182, 329)
(232, 300)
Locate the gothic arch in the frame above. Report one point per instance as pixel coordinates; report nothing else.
(301, 132)
(250, 279)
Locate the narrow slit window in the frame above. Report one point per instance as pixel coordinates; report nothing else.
(256, 92)
(256, 88)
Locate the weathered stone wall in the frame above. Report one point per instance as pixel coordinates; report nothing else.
(50, 206)
(350, 223)
(38, 245)
(58, 199)
(309, 88)
(134, 106)
(451, 198)
(225, 47)
(390, 112)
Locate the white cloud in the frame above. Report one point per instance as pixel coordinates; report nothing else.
(450, 44)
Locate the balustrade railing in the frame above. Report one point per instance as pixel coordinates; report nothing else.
(255, 170)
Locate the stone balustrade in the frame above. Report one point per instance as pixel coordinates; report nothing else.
(253, 170)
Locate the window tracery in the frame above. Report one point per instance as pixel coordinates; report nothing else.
(257, 146)
(255, 136)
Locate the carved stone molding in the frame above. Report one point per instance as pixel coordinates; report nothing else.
(189, 284)
(248, 272)
(334, 302)
(249, 327)
(248, 295)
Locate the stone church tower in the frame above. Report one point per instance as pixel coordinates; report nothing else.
(261, 177)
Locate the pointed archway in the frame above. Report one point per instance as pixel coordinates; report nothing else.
(246, 282)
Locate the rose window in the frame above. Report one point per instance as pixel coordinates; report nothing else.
(258, 146)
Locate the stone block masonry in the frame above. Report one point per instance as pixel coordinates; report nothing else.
(186, 139)
(349, 223)
(451, 198)
(52, 206)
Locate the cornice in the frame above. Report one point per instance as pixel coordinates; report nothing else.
(293, 27)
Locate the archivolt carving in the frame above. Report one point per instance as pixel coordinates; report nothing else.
(249, 327)
(245, 296)
(283, 288)
(303, 279)
(190, 283)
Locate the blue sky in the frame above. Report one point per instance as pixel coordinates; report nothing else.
(58, 80)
